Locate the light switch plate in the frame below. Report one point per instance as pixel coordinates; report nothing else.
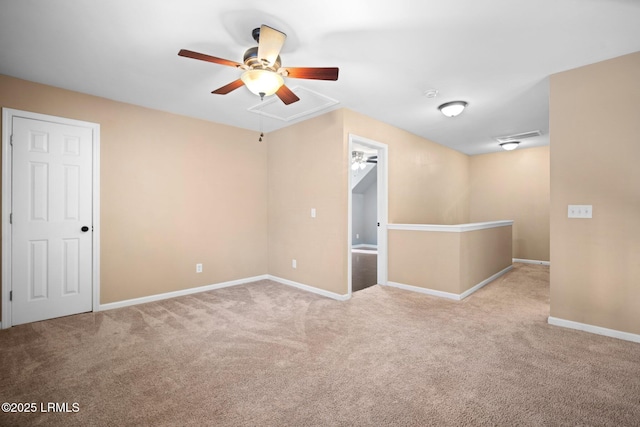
(580, 211)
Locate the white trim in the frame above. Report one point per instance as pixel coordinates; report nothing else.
(486, 282)
(308, 288)
(426, 291)
(364, 245)
(96, 217)
(449, 295)
(190, 291)
(594, 329)
(383, 208)
(180, 293)
(459, 228)
(6, 210)
(531, 261)
(364, 251)
(7, 127)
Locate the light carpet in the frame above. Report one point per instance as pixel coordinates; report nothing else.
(264, 354)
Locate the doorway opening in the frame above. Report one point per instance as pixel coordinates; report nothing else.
(367, 263)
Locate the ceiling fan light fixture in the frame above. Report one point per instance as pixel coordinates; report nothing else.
(358, 161)
(511, 145)
(453, 108)
(262, 82)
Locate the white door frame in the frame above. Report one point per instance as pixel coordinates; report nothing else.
(7, 119)
(383, 206)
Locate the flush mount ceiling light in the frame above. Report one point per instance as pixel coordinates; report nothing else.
(511, 145)
(453, 108)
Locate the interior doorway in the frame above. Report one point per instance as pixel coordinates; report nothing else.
(367, 264)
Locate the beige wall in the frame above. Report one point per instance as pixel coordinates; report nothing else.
(452, 262)
(428, 182)
(175, 191)
(514, 185)
(595, 154)
(425, 259)
(308, 169)
(484, 253)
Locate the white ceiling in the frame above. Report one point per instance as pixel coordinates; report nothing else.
(494, 54)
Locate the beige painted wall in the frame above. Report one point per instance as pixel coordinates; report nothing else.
(514, 185)
(428, 182)
(425, 259)
(448, 261)
(595, 153)
(307, 169)
(175, 192)
(484, 253)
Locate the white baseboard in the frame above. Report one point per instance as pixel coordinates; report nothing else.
(364, 251)
(426, 291)
(363, 245)
(594, 329)
(531, 261)
(182, 292)
(486, 282)
(449, 295)
(308, 288)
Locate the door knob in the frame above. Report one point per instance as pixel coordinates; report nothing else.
(84, 229)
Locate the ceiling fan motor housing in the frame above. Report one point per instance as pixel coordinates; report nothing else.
(251, 60)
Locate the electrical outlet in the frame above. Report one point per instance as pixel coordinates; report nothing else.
(580, 211)
(357, 236)
(198, 268)
(313, 212)
(294, 263)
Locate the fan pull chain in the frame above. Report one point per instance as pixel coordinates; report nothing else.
(261, 131)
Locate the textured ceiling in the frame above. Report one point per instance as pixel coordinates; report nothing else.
(494, 54)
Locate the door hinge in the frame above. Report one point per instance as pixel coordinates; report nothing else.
(11, 140)
(10, 218)
(10, 295)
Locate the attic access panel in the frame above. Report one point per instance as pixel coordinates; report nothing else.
(310, 102)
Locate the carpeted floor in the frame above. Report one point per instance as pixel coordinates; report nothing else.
(265, 354)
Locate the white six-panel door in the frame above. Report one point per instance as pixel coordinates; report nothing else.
(51, 256)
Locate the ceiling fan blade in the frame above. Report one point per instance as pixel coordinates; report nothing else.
(286, 95)
(208, 58)
(270, 44)
(323, 73)
(228, 88)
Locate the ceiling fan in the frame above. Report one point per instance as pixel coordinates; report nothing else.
(263, 74)
(359, 160)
